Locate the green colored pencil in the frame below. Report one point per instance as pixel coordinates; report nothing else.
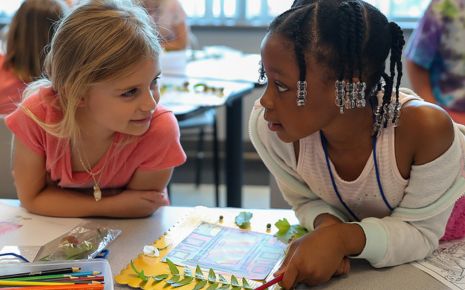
(54, 276)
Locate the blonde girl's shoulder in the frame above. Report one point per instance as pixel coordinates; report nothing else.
(425, 130)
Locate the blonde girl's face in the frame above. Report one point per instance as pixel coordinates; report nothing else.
(125, 104)
(284, 117)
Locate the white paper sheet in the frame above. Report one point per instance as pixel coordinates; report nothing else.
(20, 228)
(447, 264)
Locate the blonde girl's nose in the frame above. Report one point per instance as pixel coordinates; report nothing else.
(150, 100)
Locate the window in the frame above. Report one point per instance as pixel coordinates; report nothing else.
(260, 12)
(8, 9)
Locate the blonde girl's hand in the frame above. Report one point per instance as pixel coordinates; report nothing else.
(314, 259)
(136, 203)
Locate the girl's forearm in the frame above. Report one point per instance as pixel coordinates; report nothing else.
(59, 202)
(352, 236)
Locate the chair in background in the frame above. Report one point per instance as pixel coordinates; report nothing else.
(7, 186)
(203, 122)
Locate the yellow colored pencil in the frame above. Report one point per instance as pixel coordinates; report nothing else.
(31, 283)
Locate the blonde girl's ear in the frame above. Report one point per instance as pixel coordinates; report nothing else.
(82, 102)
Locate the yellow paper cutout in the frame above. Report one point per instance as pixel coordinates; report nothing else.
(153, 266)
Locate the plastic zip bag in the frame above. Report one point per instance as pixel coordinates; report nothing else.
(82, 242)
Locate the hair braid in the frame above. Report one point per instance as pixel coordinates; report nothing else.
(344, 18)
(360, 34)
(397, 43)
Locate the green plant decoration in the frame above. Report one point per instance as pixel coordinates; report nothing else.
(211, 276)
(200, 284)
(242, 220)
(213, 286)
(140, 274)
(287, 232)
(214, 281)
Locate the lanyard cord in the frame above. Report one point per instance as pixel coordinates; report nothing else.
(324, 143)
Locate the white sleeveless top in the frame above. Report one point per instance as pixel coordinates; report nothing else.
(361, 195)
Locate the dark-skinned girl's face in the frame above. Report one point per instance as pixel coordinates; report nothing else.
(289, 121)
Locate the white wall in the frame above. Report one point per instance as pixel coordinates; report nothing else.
(247, 40)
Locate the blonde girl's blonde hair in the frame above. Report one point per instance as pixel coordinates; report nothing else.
(29, 33)
(98, 41)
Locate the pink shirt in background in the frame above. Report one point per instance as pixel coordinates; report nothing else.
(11, 89)
(157, 149)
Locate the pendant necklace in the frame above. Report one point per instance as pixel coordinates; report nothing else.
(88, 169)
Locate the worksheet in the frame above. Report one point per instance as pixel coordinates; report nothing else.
(447, 264)
(229, 250)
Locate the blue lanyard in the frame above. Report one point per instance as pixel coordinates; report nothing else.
(324, 143)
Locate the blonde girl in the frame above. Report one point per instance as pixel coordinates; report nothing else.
(91, 139)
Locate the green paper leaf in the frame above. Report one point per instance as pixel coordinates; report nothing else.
(200, 285)
(243, 219)
(222, 279)
(211, 276)
(287, 232)
(213, 286)
(174, 279)
(199, 273)
(183, 282)
(234, 281)
(173, 269)
(246, 284)
(160, 277)
(187, 272)
(224, 287)
(140, 274)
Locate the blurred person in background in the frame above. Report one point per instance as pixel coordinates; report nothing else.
(29, 33)
(436, 57)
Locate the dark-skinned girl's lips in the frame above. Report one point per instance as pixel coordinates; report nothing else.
(274, 126)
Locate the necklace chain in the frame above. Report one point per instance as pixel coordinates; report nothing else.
(87, 167)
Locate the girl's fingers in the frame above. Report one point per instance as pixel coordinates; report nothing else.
(289, 278)
(290, 252)
(344, 267)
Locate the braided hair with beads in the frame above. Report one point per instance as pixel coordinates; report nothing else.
(353, 40)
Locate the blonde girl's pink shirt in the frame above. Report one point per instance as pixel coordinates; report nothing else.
(157, 149)
(11, 89)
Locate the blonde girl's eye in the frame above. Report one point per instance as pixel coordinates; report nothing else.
(281, 88)
(130, 93)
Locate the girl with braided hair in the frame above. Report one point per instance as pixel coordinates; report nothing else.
(370, 169)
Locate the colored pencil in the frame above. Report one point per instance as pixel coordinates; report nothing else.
(270, 283)
(43, 272)
(64, 287)
(55, 276)
(75, 279)
(31, 283)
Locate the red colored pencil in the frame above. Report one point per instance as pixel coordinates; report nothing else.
(270, 283)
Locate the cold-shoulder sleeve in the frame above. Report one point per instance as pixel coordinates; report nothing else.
(414, 229)
(278, 158)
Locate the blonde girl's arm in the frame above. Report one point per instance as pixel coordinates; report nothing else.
(40, 197)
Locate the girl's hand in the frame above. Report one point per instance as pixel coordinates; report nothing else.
(314, 258)
(136, 203)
